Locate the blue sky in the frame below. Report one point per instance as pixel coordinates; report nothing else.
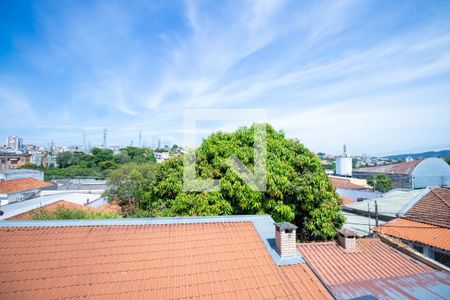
(372, 74)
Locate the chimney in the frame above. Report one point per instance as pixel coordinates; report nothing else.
(347, 239)
(285, 239)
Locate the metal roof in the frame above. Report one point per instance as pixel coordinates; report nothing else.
(359, 224)
(389, 205)
(430, 285)
(401, 168)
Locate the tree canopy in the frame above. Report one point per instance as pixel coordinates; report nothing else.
(380, 182)
(298, 190)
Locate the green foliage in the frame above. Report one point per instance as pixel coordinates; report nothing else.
(28, 166)
(298, 190)
(447, 159)
(98, 164)
(381, 183)
(62, 213)
(130, 186)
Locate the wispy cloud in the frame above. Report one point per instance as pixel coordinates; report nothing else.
(135, 66)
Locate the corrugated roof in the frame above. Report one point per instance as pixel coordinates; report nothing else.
(401, 168)
(433, 208)
(432, 285)
(22, 184)
(426, 234)
(171, 261)
(389, 205)
(345, 184)
(52, 207)
(360, 224)
(372, 260)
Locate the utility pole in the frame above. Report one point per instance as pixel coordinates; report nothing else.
(140, 138)
(104, 138)
(376, 213)
(84, 142)
(368, 211)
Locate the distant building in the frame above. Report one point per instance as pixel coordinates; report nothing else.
(13, 160)
(353, 188)
(344, 164)
(414, 174)
(14, 143)
(21, 173)
(36, 158)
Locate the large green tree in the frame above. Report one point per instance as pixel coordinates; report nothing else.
(297, 188)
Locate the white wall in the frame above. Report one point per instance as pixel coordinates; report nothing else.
(431, 172)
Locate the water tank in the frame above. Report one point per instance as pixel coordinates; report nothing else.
(344, 166)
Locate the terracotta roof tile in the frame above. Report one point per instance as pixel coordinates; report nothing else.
(433, 208)
(373, 259)
(426, 234)
(183, 261)
(346, 200)
(21, 184)
(52, 207)
(345, 184)
(400, 168)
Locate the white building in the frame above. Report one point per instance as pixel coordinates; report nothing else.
(20, 173)
(14, 142)
(344, 164)
(414, 174)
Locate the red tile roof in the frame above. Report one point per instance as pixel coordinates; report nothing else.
(176, 261)
(433, 208)
(346, 200)
(21, 184)
(426, 234)
(400, 168)
(372, 260)
(345, 184)
(52, 207)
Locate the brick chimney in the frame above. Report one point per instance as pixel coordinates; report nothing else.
(347, 239)
(285, 239)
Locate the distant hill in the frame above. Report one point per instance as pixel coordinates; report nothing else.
(442, 154)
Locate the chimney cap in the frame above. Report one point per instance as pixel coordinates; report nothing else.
(285, 225)
(347, 233)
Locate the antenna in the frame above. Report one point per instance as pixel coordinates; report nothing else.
(104, 138)
(345, 150)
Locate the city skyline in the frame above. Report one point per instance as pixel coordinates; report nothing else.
(372, 75)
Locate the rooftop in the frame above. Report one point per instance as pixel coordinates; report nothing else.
(390, 204)
(422, 233)
(14, 209)
(372, 260)
(22, 184)
(339, 183)
(161, 258)
(52, 207)
(374, 271)
(401, 168)
(432, 208)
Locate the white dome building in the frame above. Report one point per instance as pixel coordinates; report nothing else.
(414, 174)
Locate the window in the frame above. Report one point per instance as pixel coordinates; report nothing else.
(442, 258)
(417, 248)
